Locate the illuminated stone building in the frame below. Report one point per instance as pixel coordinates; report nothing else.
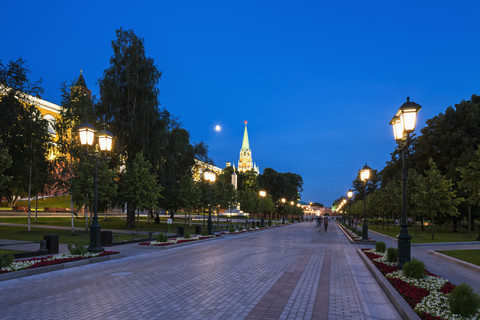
(246, 163)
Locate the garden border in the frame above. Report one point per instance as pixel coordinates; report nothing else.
(403, 308)
(60, 266)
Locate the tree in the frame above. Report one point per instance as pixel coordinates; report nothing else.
(23, 132)
(188, 194)
(139, 187)
(435, 197)
(5, 163)
(82, 184)
(129, 102)
(470, 184)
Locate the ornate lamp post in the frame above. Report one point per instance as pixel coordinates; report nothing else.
(105, 141)
(365, 176)
(349, 195)
(263, 194)
(283, 210)
(210, 176)
(403, 124)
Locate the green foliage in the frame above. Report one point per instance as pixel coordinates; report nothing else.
(464, 301)
(24, 133)
(6, 260)
(380, 246)
(414, 269)
(187, 235)
(204, 232)
(77, 249)
(5, 163)
(435, 196)
(162, 237)
(392, 255)
(231, 229)
(139, 186)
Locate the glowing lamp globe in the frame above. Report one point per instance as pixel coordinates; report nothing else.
(87, 133)
(365, 173)
(105, 140)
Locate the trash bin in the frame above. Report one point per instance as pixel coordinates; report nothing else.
(198, 229)
(52, 243)
(180, 231)
(107, 237)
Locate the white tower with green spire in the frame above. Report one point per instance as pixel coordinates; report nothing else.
(246, 163)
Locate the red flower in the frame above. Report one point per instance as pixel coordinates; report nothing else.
(411, 294)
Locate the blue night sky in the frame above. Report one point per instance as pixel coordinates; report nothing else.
(318, 82)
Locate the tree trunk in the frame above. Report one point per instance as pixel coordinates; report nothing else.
(469, 221)
(130, 216)
(433, 228)
(422, 226)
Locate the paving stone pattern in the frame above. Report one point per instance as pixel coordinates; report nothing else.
(293, 272)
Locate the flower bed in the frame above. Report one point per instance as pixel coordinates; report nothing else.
(427, 296)
(18, 265)
(177, 240)
(353, 235)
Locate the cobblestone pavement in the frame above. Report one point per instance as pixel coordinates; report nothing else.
(293, 272)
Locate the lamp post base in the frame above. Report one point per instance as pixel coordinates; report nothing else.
(403, 246)
(210, 225)
(365, 232)
(95, 238)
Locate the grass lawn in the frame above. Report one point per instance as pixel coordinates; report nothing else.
(3, 251)
(442, 234)
(472, 256)
(53, 202)
(65, 236)
(111, 223)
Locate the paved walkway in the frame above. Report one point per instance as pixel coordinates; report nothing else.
(293, 272)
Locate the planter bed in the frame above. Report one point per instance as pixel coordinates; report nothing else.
(26, 267)
(353, 237)
(177, 241)
(426, 296)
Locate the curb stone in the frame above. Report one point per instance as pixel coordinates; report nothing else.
(397, 300)
(55, 267)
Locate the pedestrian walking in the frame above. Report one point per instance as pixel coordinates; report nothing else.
(325, 223)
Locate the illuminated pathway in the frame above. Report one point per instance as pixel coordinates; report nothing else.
(293, 272)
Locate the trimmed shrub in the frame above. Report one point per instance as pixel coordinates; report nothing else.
(187, 235)
(232, 229)
(464, 301)
(162, 237)
(380, 246)
(205, 232)
(392, 255)
(77, 249)
(414, 269)
(6, 260)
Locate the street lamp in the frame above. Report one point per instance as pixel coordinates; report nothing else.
(283, 210)
(349, 195)
(403, 124)
(210, 176)
(105, 141)
(365, 176)
(263, 194)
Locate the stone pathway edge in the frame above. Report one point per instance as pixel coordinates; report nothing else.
(400, 304)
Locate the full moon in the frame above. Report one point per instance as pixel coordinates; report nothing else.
(218, 128)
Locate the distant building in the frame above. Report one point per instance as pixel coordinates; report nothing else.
(246, 163)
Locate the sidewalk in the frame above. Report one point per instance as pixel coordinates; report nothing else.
(293, 272)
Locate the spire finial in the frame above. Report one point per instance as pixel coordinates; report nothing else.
(408, 99)
(245, 122)
(81, 71)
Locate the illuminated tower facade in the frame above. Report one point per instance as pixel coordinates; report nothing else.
(246, 163)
